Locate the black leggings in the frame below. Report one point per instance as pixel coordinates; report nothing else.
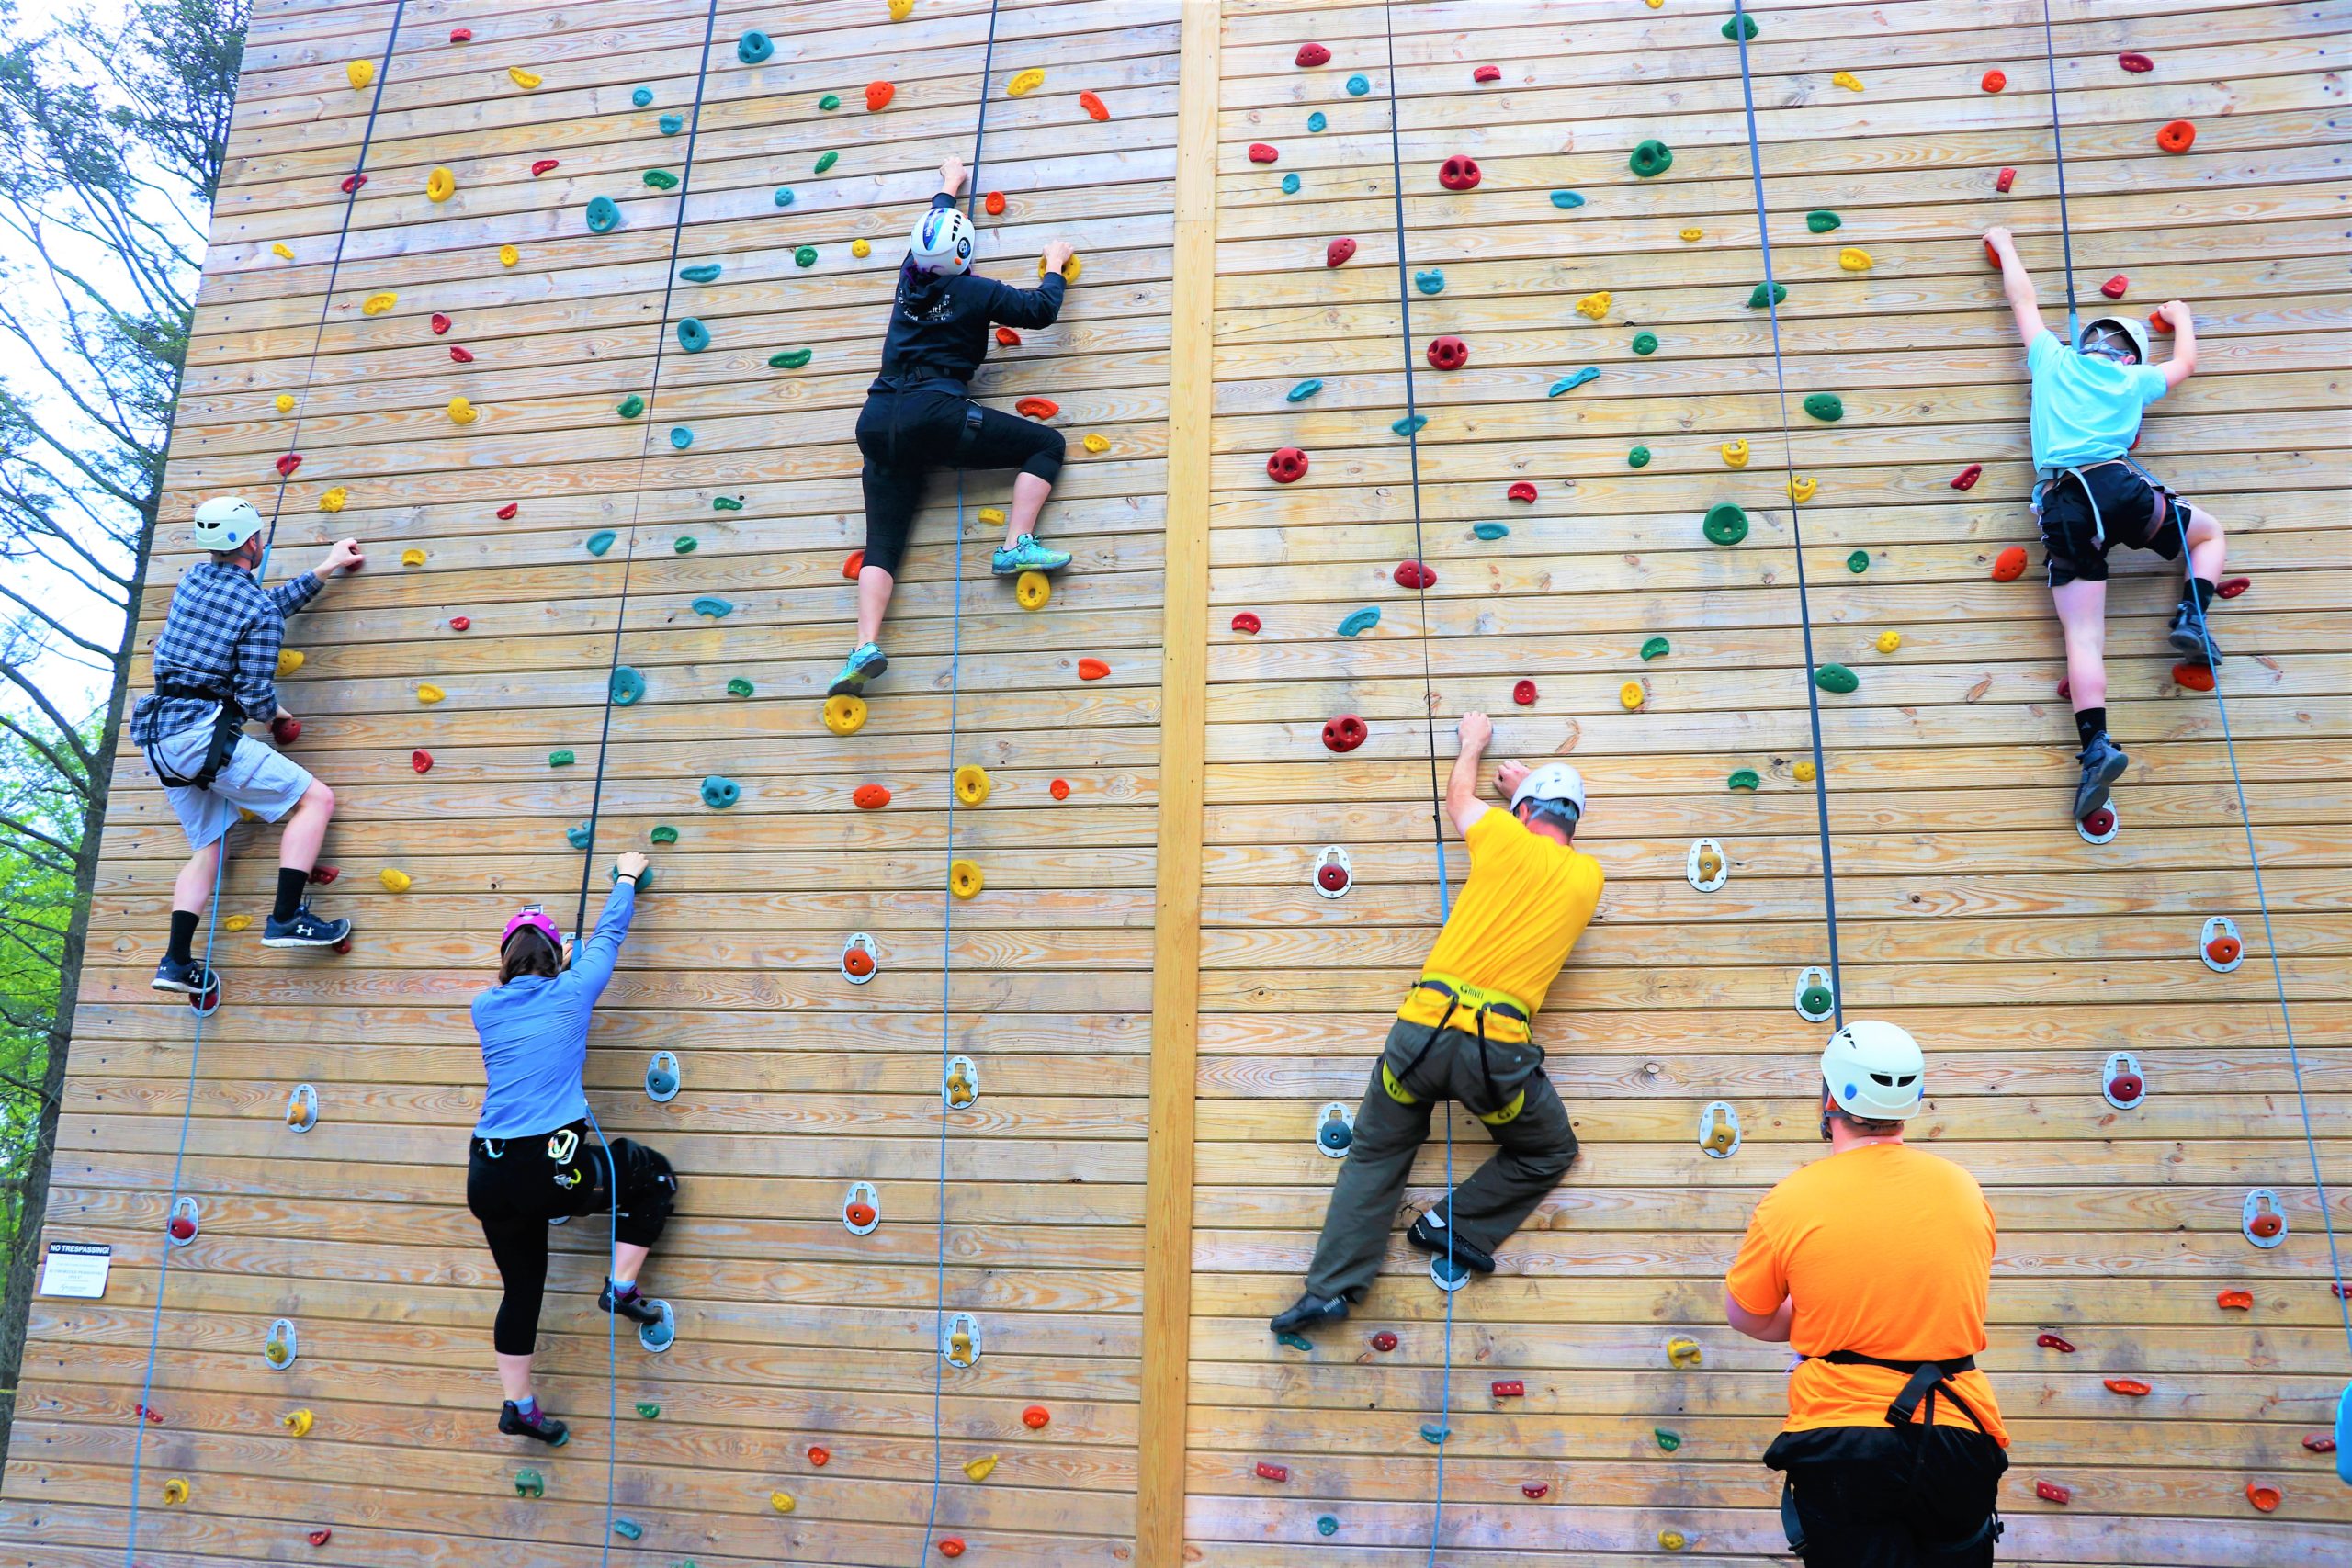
(515, 1186)
(905, 435)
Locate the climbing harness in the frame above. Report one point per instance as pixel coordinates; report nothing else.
(228, 728)
(1927, 1379)
(1480, 1004)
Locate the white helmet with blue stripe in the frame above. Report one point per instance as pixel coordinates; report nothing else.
(226, 521)
(941, 242)
(1874, 1070)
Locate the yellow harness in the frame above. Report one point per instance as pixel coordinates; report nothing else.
(1479, 1002)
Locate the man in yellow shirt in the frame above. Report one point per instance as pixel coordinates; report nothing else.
(1873, 1265)
(1464, 1033)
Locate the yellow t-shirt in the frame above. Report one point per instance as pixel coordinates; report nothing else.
(1887, 1250)
(1525, 903)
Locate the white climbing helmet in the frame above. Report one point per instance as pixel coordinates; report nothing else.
(1874, 1070)
(2105, 337)
(1555, 785)
(941, 242)
(226, 521)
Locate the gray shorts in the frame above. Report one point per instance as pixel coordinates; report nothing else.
(263, 781)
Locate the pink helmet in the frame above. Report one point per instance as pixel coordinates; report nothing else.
(535, 919)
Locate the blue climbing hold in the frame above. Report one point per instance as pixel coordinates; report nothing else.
(681, 437)
(1359, 86)
(716, 608)
(1327, 1524)
(1570, 383)
(580, 837)
(706, 272)
(627, 687)
(1303, 390)
(693, 337)
(628, 1530)
(603, 215)
(753, 47)
(601, 540)
(718, 793)
(1491, 530)
(673, 123)
(1411, 425)
(783, 196)
(1315, 121)
(1430, 282)
(1567, 198)
(1290, 185)
(1362, 620)
(642, 97)
(1434, 1432)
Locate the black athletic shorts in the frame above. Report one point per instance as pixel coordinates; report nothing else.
(2077, 538)
(905, 435)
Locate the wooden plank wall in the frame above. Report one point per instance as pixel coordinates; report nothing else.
(1967, 907)
(794, 1334)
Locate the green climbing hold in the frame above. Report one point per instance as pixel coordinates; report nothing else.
(663, 834)
(783, 197)
(1639, 458)
(716, 608)
(686, 544)
(1651, 159)
(530, 1484)
(790, 359)
(1296, 1341)
(706, 273)
(1412, 425)
(560, 759)
(1490, 530)
(1315, 121)
(726, 503)
(1744, 779)
(644, 878)
(1565, 198)
(601, 540)
(1570, 383)
(647, 1409)
(627, 687)
(1430, 282)
(1303, 390)
(1743, 26)
(1836, 678)
(826, 161)
(754, 46)
(642, 97)
(1656, 647)
(1826, 407)
(603, 215)
(681, 437)
(1821, 220)
(693, 337)
(1726, 524)
(1645, 343)
(1358, 86)
(673, 123)
(630, 406)
(1666, 1442)
(805, 257)
(1858, 562)
(1758, 299)
(580, 837)
(830, 102)
(1290, 185)
(739, 687)
(1362, 620)
(719, 793)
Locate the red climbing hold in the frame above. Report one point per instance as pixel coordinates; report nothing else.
(1273, 1472)
(2320, 1443)
(1248, 621)
(2010, 565)
(1007, 338)
(1094, 107)
(2132, 1388)
(421, 761)
(2265, 1499)
(854, 564)
(2195, 677)
(1487, 73)
(440, 323)
(820, 1457)
(541, 165)
(1448, 352)
(286, 730)
(322, 874)
(2116, 288)
(321, 1536)
(1523, 693)
(878, 95)
(2226, 949)
(1534, 1491)
(1509, 1388)
(461, 353)
(2004, 180)
(1091, 670)
(1058, 789)
(460, 623)
(2051, 1492)
(2056, 1342)
(1992, 255)
(461, 35)
(1458, 173)
(1385, 1339)
(1522, 490)
(2231, 587)
(288, 463)
(1413, 574)
(1036, 408)
(1034, 1417)
(2065, 689)
(1344, 733)
(2235, 1301)
(1993, 81)
(1287, 466)
(952, 1546)
(2134, 62)
(157, 1416)
(1311, 54)
(506, 512)
(859, 1214)
(994, 203)
(870, 797)
(351, 184)
(183, 1228)
(2098, 825)
(1337, 253)
(1967, 478)
(2177, 136)
(1261, 153)
(1332, 877)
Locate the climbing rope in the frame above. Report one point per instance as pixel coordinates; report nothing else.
(2058, 161)
(1796, 524)
(948, 906)
(220, 868)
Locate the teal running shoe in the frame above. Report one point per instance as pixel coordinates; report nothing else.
(1027, 554)
(865, 661)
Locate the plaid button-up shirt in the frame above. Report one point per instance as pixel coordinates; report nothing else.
(223, 634)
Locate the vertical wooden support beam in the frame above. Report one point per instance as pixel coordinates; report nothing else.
(1184, 698)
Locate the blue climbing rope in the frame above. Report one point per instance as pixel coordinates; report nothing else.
(948, 906)
(1797, 526)
(221, 867)
(2058, 161)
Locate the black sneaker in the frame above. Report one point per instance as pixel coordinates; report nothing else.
(2103, 763)
(304, 929)
(1429, 1232)
(538, 1424)
(2191, 636)
(636, 1306)
(1309, 1312)
(183, 975)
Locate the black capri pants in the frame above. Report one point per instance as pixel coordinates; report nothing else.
(905, 435)
(514, 1186)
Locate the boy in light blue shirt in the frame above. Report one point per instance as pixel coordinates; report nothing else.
(2091, 496)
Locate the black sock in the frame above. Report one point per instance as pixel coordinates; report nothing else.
(2200, 592)
(290, 884)
(182, 936)
(2090, 723)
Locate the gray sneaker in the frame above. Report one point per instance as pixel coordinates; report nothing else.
(2103, 763)
(1027, 554)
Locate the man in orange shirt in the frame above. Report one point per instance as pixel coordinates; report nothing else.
(1873, 1265)
(1464, 1034)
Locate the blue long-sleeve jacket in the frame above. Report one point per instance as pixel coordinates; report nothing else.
(534, 1032)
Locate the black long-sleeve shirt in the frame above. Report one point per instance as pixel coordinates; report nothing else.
(939, 323)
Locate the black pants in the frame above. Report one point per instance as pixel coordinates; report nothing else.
(1889, 1498)
(515, 1186)
(905, 435)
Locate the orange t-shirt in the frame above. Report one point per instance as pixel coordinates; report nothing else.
(1887, 1250)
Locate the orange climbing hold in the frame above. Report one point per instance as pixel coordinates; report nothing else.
(878, 95)
(854, 564)
(2010, 565)
(820, 1457)
(2130, 1388)
(1094, 107)
(2234, 1301)
(1036, 408)
(994, 203)
(1058, 789)
(1007, 338)
(870, 797)
(2265, 1499)
(1091, 670)
(1036, 1417)
(1261, 153)
(952, 1546)
(2195, 677)
(2176, 136)
(1993, 81)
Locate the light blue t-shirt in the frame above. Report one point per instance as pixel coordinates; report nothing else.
(534, 1033)
(2086, 410)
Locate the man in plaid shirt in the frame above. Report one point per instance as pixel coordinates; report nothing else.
(216, 669)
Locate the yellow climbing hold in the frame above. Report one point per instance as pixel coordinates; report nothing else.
(1097, 443)
(1736, 453)
(176, 1490)
(782, 1502)
(1853, 258)
(285, 401)
(1804, 771)
(359, 73)
(1033, 589)
(526, 80)
(440, 185)
(1802, 486)
(1028, 82)
(332, 500)
(296, 1422)
(428, 694)
(393, 881)
(1690, 235)
(1594, 306)
(508, 256)
(861, 249)
(1683, 1351)
(1889, 641)
(289, 659)
(237, 922)
(1848, 80)
(463, 412)
(1631, 695)
(972, 784)
(376, 304)
(901, 9)
(991, 514)
(282, 249)
(1673, 1540)
(1069, 269)
(979, 1469)
(844, 714)
(963, 879)
(411, 557)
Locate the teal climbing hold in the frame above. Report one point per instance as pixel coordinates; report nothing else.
(706, 273)
(783, 197)
(1430, 282)
(1290, 185)
(826, 161)
(603, 216)
(685, 544)
(716, 608)
(739, 687)
(1836, 678)
(1411, 425)
(628, 1530)
(580, 837)
(1303, 390)
(644, 878)
(1667, 1441)
(642, 97)
(681, 437)
(1645, 343)
(659, 180)
(805, 257)
(1436, 1432)
(673, 123)
(630, 406)
(1656, 647)
(1826, 407)
(1726, 524)
(1359, 86)
(1491, 530)
(1327, 1524)
(719, 793)
(1744, 778)
(1315, 121)
(601, 540)
(1570, 383)
(664, 833)
(560, 759)
(693, 337)
(1651, 159)
(753, 47)
(1567, 198)
(727, 503)
(1639, 458)
(1759, 300)
(1743, 26)
(1821, 220)
(1858, 562)
(830, 102)
(1362, 620)
(1296, 1341)
(790, 359)
(627, 687)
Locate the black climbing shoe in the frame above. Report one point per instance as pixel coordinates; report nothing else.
(538, 1424)
(304, 929)
(1429, 1232)
(2189, 640)
(1309, 1312)
(185, 975)
(2103, 763)
(638, 1307)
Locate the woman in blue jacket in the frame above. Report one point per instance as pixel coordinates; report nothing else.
(535, 1160)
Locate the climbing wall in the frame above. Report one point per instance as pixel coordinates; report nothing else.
(1659, 643)
(453, 694)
